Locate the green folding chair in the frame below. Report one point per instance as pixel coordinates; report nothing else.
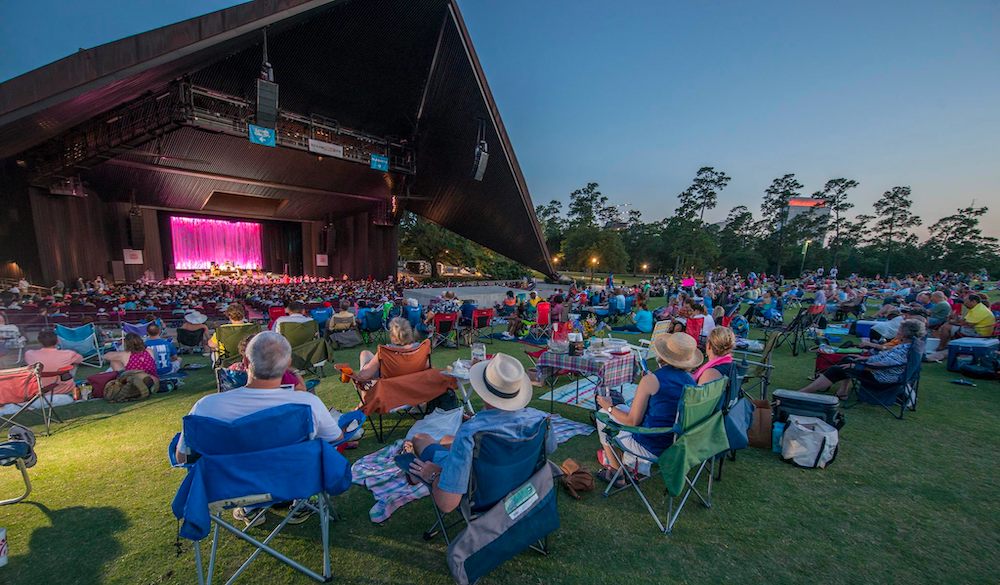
(229, 337)
(309, 353)
(699, 436)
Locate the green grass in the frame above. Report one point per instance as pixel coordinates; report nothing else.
(910, 501)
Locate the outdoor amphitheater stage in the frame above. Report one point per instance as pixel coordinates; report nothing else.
(484, 296)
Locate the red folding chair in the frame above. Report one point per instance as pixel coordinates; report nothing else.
(272, 314)
(481, 320)
(543, 320)
(23, 387)
(693, 327)
(443, 326)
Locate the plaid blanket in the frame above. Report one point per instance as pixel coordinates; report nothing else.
(613, 373)
(568, 393)
(379, 474)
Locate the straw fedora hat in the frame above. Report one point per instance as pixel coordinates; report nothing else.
(195, 318)
(501, 382)
(680, 350)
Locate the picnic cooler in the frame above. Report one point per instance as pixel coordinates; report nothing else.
(822, 406)
(863, 328)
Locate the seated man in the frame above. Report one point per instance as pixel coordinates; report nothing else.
(977, 322)
(296, 313)
(505, 389)
(164, 351)
(269, 355)
(53, 359)
(940, 310)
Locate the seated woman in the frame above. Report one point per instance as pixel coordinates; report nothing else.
(136, 356)
(53, 360)
(237, 315)
(719, 348)
(891, 365)
(289, 378)
(654, 406)
(195, 331)
(343, 319)
(515, 323)
(508, 306)
(642, 320)
(400, 337)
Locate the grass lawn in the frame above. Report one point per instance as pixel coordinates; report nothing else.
(910, 501)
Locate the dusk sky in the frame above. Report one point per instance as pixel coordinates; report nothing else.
(638, 95)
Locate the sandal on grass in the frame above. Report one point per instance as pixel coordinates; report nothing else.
(607, 474)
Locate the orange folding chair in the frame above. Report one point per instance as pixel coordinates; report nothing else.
(481, 320)
(23, 387)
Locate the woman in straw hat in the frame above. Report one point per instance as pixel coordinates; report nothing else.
(505, 389)
(654, 405)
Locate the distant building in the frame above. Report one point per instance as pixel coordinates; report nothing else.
(798, 206)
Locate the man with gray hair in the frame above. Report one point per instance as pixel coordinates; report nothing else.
(269, 355)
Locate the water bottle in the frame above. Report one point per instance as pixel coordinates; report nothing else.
(776, 432)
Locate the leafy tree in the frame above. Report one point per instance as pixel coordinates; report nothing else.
(586, 242)
(835, 193)
(957, 243)
(685, 243)
(587, 205)
(552, 222)
(894, 221)
(421, 239)
(702, 194)
(774, 210)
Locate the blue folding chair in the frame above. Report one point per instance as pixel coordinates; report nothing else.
(260, 459)
(321, 316)
(82, 340)
(373, 327)
(137, 328)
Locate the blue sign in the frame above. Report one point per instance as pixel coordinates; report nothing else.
(380, 162)
(261, 135)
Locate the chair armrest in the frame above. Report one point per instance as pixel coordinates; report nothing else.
(616, 427)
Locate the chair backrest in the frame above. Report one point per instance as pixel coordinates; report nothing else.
(230, 336)
(444, 322)
(137, 328)
(274, 427)
(82, 339)
(189, 338)
(321, 316)
(373, 321)
(500, 464)
(394, 361)
(298, 333)
(698, 403)
(273, 313)
(693, 327)
(342, 323)
(914, 360)
(481, 318)
(467, 309)
(20, 384)
(659, 329)
(543, 309)
(413, 316)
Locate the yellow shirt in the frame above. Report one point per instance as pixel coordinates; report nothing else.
(534, 302)
(982, 319)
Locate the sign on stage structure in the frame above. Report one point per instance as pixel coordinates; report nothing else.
(326, 148)
(261, 135)
(132, 256)
(322, 260)
(380, 162)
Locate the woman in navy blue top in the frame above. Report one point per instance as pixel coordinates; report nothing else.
(655, 403)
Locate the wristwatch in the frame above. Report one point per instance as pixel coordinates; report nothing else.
(610, 408)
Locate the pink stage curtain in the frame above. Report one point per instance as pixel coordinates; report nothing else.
(199, 241)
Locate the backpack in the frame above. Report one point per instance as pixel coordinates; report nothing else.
(809, 442)
(131, 385)
(983, 368)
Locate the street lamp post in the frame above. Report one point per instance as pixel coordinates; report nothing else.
(593, 264)
(805, 248)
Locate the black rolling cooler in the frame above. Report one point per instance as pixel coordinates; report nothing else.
(825, 407)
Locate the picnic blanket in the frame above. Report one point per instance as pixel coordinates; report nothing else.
(378, 471)
(568, 394)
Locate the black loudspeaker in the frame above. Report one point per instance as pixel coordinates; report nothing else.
(267, 103)
(136, 232)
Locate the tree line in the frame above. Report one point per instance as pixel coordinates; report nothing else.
(592, 232)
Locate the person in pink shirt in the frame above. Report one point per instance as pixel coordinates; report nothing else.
(135, 357)
(53, 359)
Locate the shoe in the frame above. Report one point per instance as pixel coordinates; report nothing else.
(252, 520)
(300, 515)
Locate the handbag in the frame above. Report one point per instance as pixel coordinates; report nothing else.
(575, 479)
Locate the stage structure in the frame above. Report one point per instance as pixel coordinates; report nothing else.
(318, 121)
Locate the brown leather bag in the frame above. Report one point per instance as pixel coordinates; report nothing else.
(576, 479)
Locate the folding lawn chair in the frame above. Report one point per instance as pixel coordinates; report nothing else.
(309, 352)
(18, 451)
(253, 462)
(83, 340)
(542, 325)
(693, 327)
(406, 382)
(642, 351)
(22, 387)
(902, 393)
(756, 367)
(229, 337)
(321, 316)
(511, 474)
(796, 330)
(481, 320)
(372, 327)
(226, 379)
(137, 328)
(190, 341)
(444, 325)
(699, 436)
(273, 314)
